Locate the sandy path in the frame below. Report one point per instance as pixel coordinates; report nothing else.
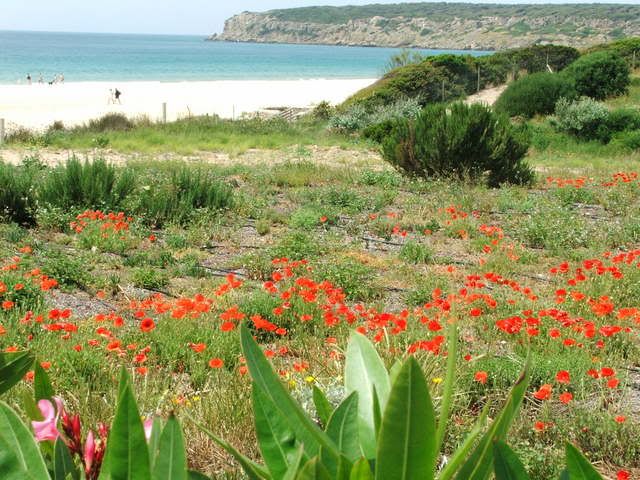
(488, 96)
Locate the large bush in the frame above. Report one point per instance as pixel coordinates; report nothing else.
(584, 118)
(424, 80)
(600, 75)
(534, 94)
(460, 141)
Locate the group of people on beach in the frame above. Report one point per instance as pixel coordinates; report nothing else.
(58, 78)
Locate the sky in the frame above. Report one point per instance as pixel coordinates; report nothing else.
(197, 17)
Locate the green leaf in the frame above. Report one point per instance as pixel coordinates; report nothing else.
(127, 455)
(578, 466)
(253, 470)
(30, 407)
(361, 470)
(507, 465)
(20, 457)
(154, 440)
(449, 384)
(42, 384)
(323, 407)
(377, 413)
(306, 431)
(276, 439)
(364, 370)
(63, 466)
(478, 465)
(407, 444)
(171, 462)
(343, 428)
(13, 366)
(294, 466)
(313, 470)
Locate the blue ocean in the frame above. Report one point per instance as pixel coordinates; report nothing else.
(83, 57)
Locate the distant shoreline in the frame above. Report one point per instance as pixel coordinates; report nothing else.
(37, 106)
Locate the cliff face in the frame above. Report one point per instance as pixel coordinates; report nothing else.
(484, 32)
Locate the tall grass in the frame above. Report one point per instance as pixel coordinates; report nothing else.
(187, 136)
(156, 192)
(94, 184)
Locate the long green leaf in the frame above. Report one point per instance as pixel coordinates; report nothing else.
(42, 384)
(295, 464)
(361, 470)
(479, 464)
(13, 366)
(154, 440)
(323, 407)
(313, 470)
(127, 452)
(507, 465)
(253, 470)
(364, 370)
(449, 384)
(19, 455)
(407, 443)
(305, 430)
(276, 438)
(343, 428)
(171, 462)
(63, 466)
(578, 466)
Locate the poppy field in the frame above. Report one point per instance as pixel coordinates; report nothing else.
(306, 253)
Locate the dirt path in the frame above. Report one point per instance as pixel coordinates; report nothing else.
(488, 96)
(329, 156)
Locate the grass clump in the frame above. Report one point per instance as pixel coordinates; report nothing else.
(17, 196)
(88, 184)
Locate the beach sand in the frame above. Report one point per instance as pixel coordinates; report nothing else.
(38, 106)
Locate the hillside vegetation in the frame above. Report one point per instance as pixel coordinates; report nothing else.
(438, 25)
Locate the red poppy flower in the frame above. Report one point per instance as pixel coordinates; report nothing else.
(563, 377)
(566, 397)
(481, 377)
(544, 393)
(147, 325)
(216, 363)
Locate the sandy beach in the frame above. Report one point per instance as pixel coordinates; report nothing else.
(38, 106)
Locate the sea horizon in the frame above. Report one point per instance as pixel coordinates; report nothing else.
(105, 57)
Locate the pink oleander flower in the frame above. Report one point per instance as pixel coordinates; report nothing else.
(148, 426)
(47, 430)
(89, 452)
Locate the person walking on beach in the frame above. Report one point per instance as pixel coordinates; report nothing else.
(29, 78)
(116, 96)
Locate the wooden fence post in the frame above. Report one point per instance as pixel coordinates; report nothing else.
(1, 131)
(164, 112)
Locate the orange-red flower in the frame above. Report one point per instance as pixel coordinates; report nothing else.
(216, 363)
(147, 325)
(481, 377)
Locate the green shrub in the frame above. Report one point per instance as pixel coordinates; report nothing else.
(584, 118)
(110, 122)
(624, 119)
(534, 94)
(460, 141)
(423, 81)
(149, 278)
(629, 140)
(600, 75)
(17, 200)
(322, 111)
(94, 184)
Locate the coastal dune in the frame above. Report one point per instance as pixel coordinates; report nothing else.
(37, 106)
